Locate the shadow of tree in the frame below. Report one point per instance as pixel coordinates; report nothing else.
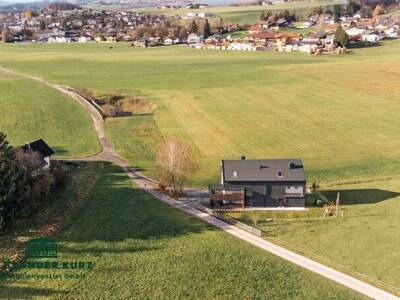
(360, 196)
(116, 211)
(101, 250)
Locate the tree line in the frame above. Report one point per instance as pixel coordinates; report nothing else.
(180, 29)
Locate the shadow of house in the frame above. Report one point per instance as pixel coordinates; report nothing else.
(360, 196)
(60, 151)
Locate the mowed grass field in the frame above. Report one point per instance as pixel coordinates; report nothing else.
(31, 110)
(142, 248)
(338, 113)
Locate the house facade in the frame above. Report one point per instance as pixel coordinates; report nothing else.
(259, 183)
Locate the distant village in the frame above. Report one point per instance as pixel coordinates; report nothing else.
(323, 32)
(320, 34)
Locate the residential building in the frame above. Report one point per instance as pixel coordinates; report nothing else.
(259, 183)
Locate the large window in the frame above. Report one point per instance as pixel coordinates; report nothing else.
(294, 189)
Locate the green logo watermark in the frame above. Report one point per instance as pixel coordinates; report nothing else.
(41, 248)
(41, 254)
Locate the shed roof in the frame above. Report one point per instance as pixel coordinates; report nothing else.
(39, 146)
(263, 170)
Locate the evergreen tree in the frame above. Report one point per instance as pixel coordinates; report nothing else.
(286, 15)
(341, 37)
(221, 26)
(193, 27)
(14, 188)
(207, 29)
(352, 7)
(337, 12)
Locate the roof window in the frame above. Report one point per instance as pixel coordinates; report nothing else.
(293, 165)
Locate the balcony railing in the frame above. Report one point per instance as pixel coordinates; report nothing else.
(221, 197)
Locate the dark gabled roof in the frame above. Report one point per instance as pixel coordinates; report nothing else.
(263, 170)
(39, 146)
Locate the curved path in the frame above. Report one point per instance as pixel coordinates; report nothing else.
(149, 185)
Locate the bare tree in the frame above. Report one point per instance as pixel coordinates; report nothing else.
(175, 162)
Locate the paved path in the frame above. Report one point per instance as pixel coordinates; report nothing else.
(148, 184)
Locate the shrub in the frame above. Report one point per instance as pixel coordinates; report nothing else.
(109, 111)
(85, 93)
(330, 209)
(113, 97)
(40, 190)
(162, 186)
(60, 174)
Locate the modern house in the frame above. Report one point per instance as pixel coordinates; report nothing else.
(42, 148)
(259, 183)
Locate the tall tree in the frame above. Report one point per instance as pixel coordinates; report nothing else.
(352, 7)
(175, 163)
(378, 11)
(5, 35)
(207, 29)
(193, 27)
(337, 12)
(341, 37)
(14, 187)
(221, 26)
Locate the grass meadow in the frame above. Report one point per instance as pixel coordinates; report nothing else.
(365, 240)
(175, 257)
(338, 113)
(31, 110)
(245, 14)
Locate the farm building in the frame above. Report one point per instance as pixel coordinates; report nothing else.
(259, 183)
(42, 148)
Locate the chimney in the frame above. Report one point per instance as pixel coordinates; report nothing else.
(243, 157)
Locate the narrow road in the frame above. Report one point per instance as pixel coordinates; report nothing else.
(150, 185)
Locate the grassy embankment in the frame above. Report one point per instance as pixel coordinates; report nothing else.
(32, 110)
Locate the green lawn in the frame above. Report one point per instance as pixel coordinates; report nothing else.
(365, 240)
(338, 113)
(32, 110)
(144, 249)
(136, 139)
